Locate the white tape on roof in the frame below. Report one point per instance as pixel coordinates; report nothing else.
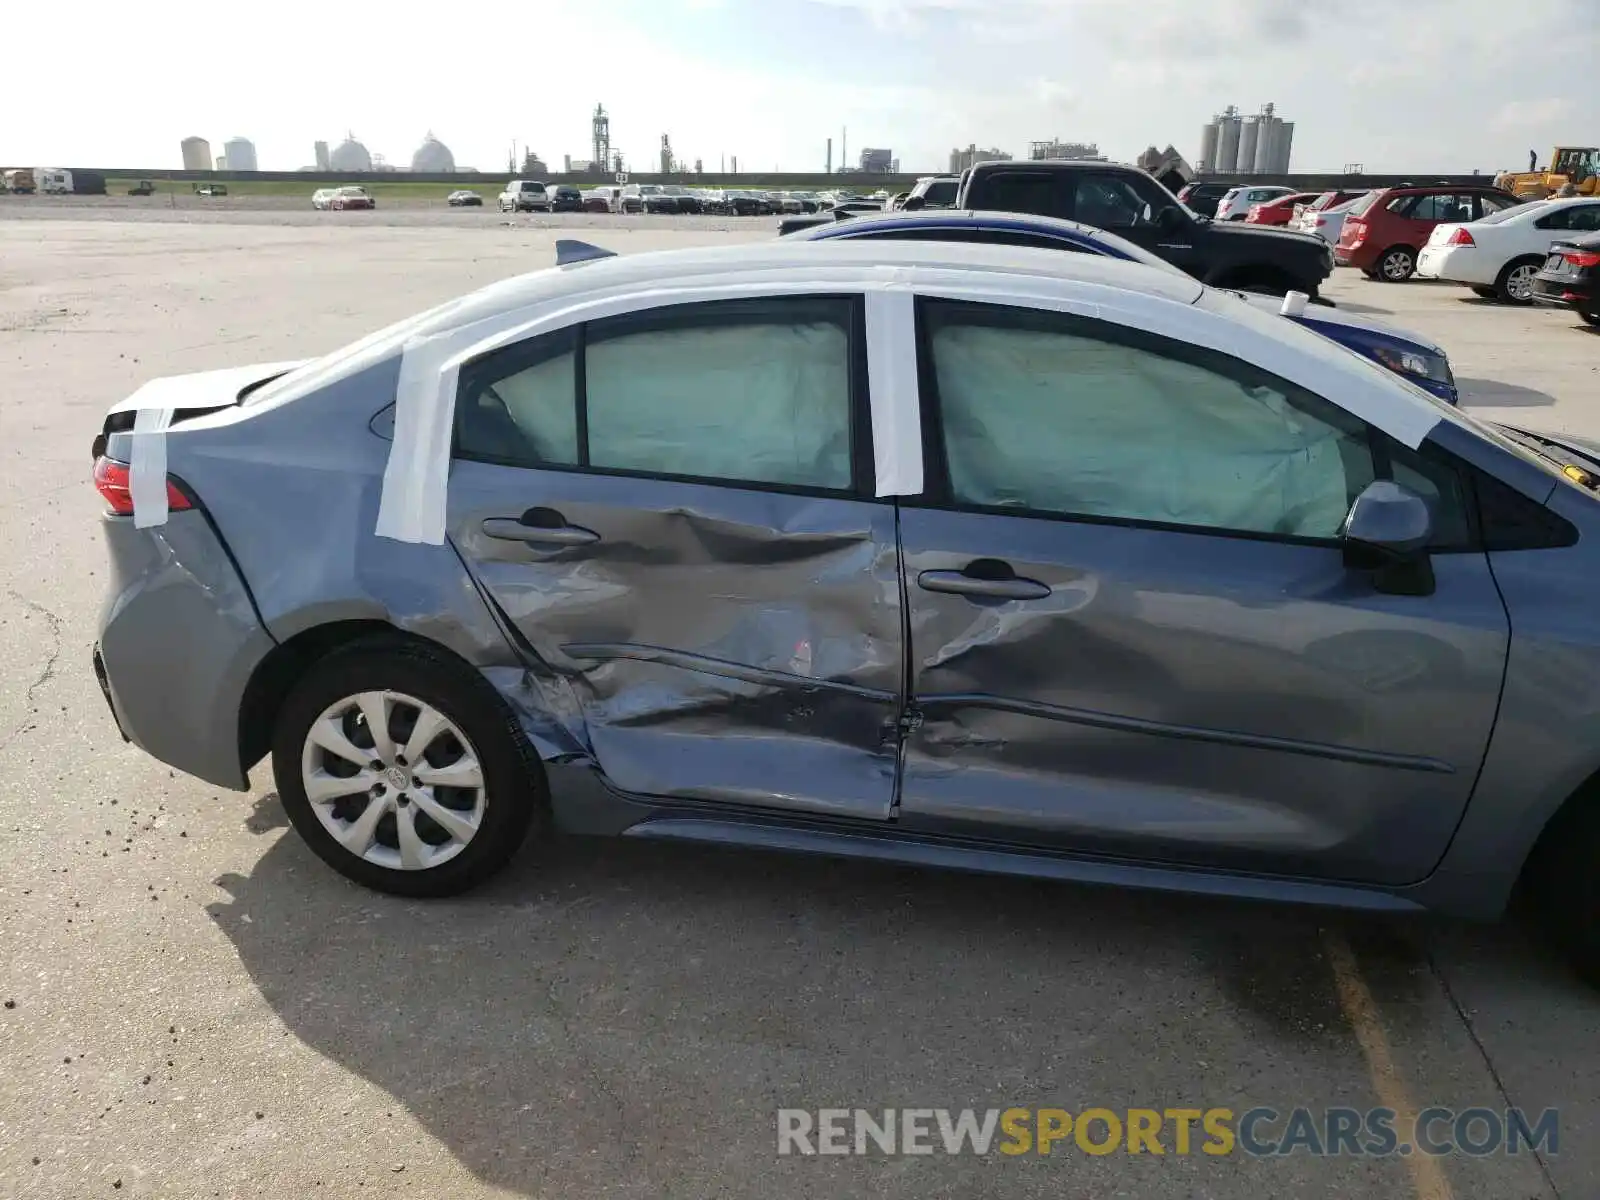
(147, 467)
(892, 382)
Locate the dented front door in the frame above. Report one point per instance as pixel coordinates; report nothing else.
(699, 642)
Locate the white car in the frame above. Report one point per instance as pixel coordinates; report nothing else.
(1499, 255)
(1326, 223)
(1235, 203)
(525, 195)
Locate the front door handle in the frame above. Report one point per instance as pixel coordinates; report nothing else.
(553, 533)
(959, 583)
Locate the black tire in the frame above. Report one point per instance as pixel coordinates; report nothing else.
(1502, 283)
(1590, 315)
(1370, 273)
(1397, 264)
(1486, 292)
(515, 797)
(1564, 887)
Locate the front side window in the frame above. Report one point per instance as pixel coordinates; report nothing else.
(753, 391)
(1061, 415)
(1107, 202)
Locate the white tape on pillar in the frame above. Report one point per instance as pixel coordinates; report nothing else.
(147, 467)
(416, 479)
(892, 380)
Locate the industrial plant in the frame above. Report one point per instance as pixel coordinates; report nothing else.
(1259, 144)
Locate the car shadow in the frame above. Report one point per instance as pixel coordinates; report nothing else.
(1366, 310)
(1492, 393)
(620, 1018)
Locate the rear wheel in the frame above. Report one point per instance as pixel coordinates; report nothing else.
(1515, 283)
(403, 770)
(1397, 264)
(1591, 315)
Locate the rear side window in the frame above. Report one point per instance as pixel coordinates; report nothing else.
(1019, 191)
(751, 391)
(941, 192)
(760, 395)
(1584, 217)
(1363, 205)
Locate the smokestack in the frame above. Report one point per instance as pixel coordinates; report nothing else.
(828, 170)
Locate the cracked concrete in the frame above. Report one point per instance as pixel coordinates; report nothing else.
(197, 1006)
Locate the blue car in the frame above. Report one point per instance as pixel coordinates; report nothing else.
(1409, 355)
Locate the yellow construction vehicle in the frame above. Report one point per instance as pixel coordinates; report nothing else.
(1575, 165)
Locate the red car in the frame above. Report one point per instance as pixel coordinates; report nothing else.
(1278, 212)
(1388, 227)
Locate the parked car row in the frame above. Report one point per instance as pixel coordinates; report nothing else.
(528, 195)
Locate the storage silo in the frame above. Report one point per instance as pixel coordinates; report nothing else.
(1281, 148)
(196, 154)
(240, 153)
(1249, 137)
(1266, 147)
(1228, 141)
(1208, 147)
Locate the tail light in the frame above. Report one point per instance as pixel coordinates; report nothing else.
(1582, 258)
(1460, 236)
(1355, 229)
(111, 481)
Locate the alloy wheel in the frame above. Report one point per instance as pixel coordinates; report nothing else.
(1397, 265)
(1519, 283)
(393, 780)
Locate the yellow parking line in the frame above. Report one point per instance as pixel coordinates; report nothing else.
(1355, 998)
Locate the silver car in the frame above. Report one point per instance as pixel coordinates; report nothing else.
(972, 556)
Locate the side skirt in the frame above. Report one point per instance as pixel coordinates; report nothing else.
(584, 805)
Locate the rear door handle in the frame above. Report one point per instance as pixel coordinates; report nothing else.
(959, 583)
(554, 533)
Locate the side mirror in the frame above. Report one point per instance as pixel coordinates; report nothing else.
(1169, 219)
(1387, 532)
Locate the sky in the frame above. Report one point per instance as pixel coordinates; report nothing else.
(1396, 85)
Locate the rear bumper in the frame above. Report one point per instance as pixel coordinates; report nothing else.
(1565, 293)
(1363, 256)
(1455, 265)
(179, 640)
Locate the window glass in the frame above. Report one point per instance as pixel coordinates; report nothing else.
(1585, 217)
(941, 192)
(519, 406)
(1107, 202)
(1496, 204)
(752, 391)
(1560, 218)
(1361, 205)
(1015, 191)
(1059, 414)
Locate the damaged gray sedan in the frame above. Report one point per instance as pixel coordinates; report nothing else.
(971, 556)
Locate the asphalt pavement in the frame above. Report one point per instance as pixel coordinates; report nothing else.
(195, 1006)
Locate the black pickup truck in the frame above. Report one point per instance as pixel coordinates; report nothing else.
(1131, 204)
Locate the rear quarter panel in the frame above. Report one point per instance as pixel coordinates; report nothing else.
(293, 490)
